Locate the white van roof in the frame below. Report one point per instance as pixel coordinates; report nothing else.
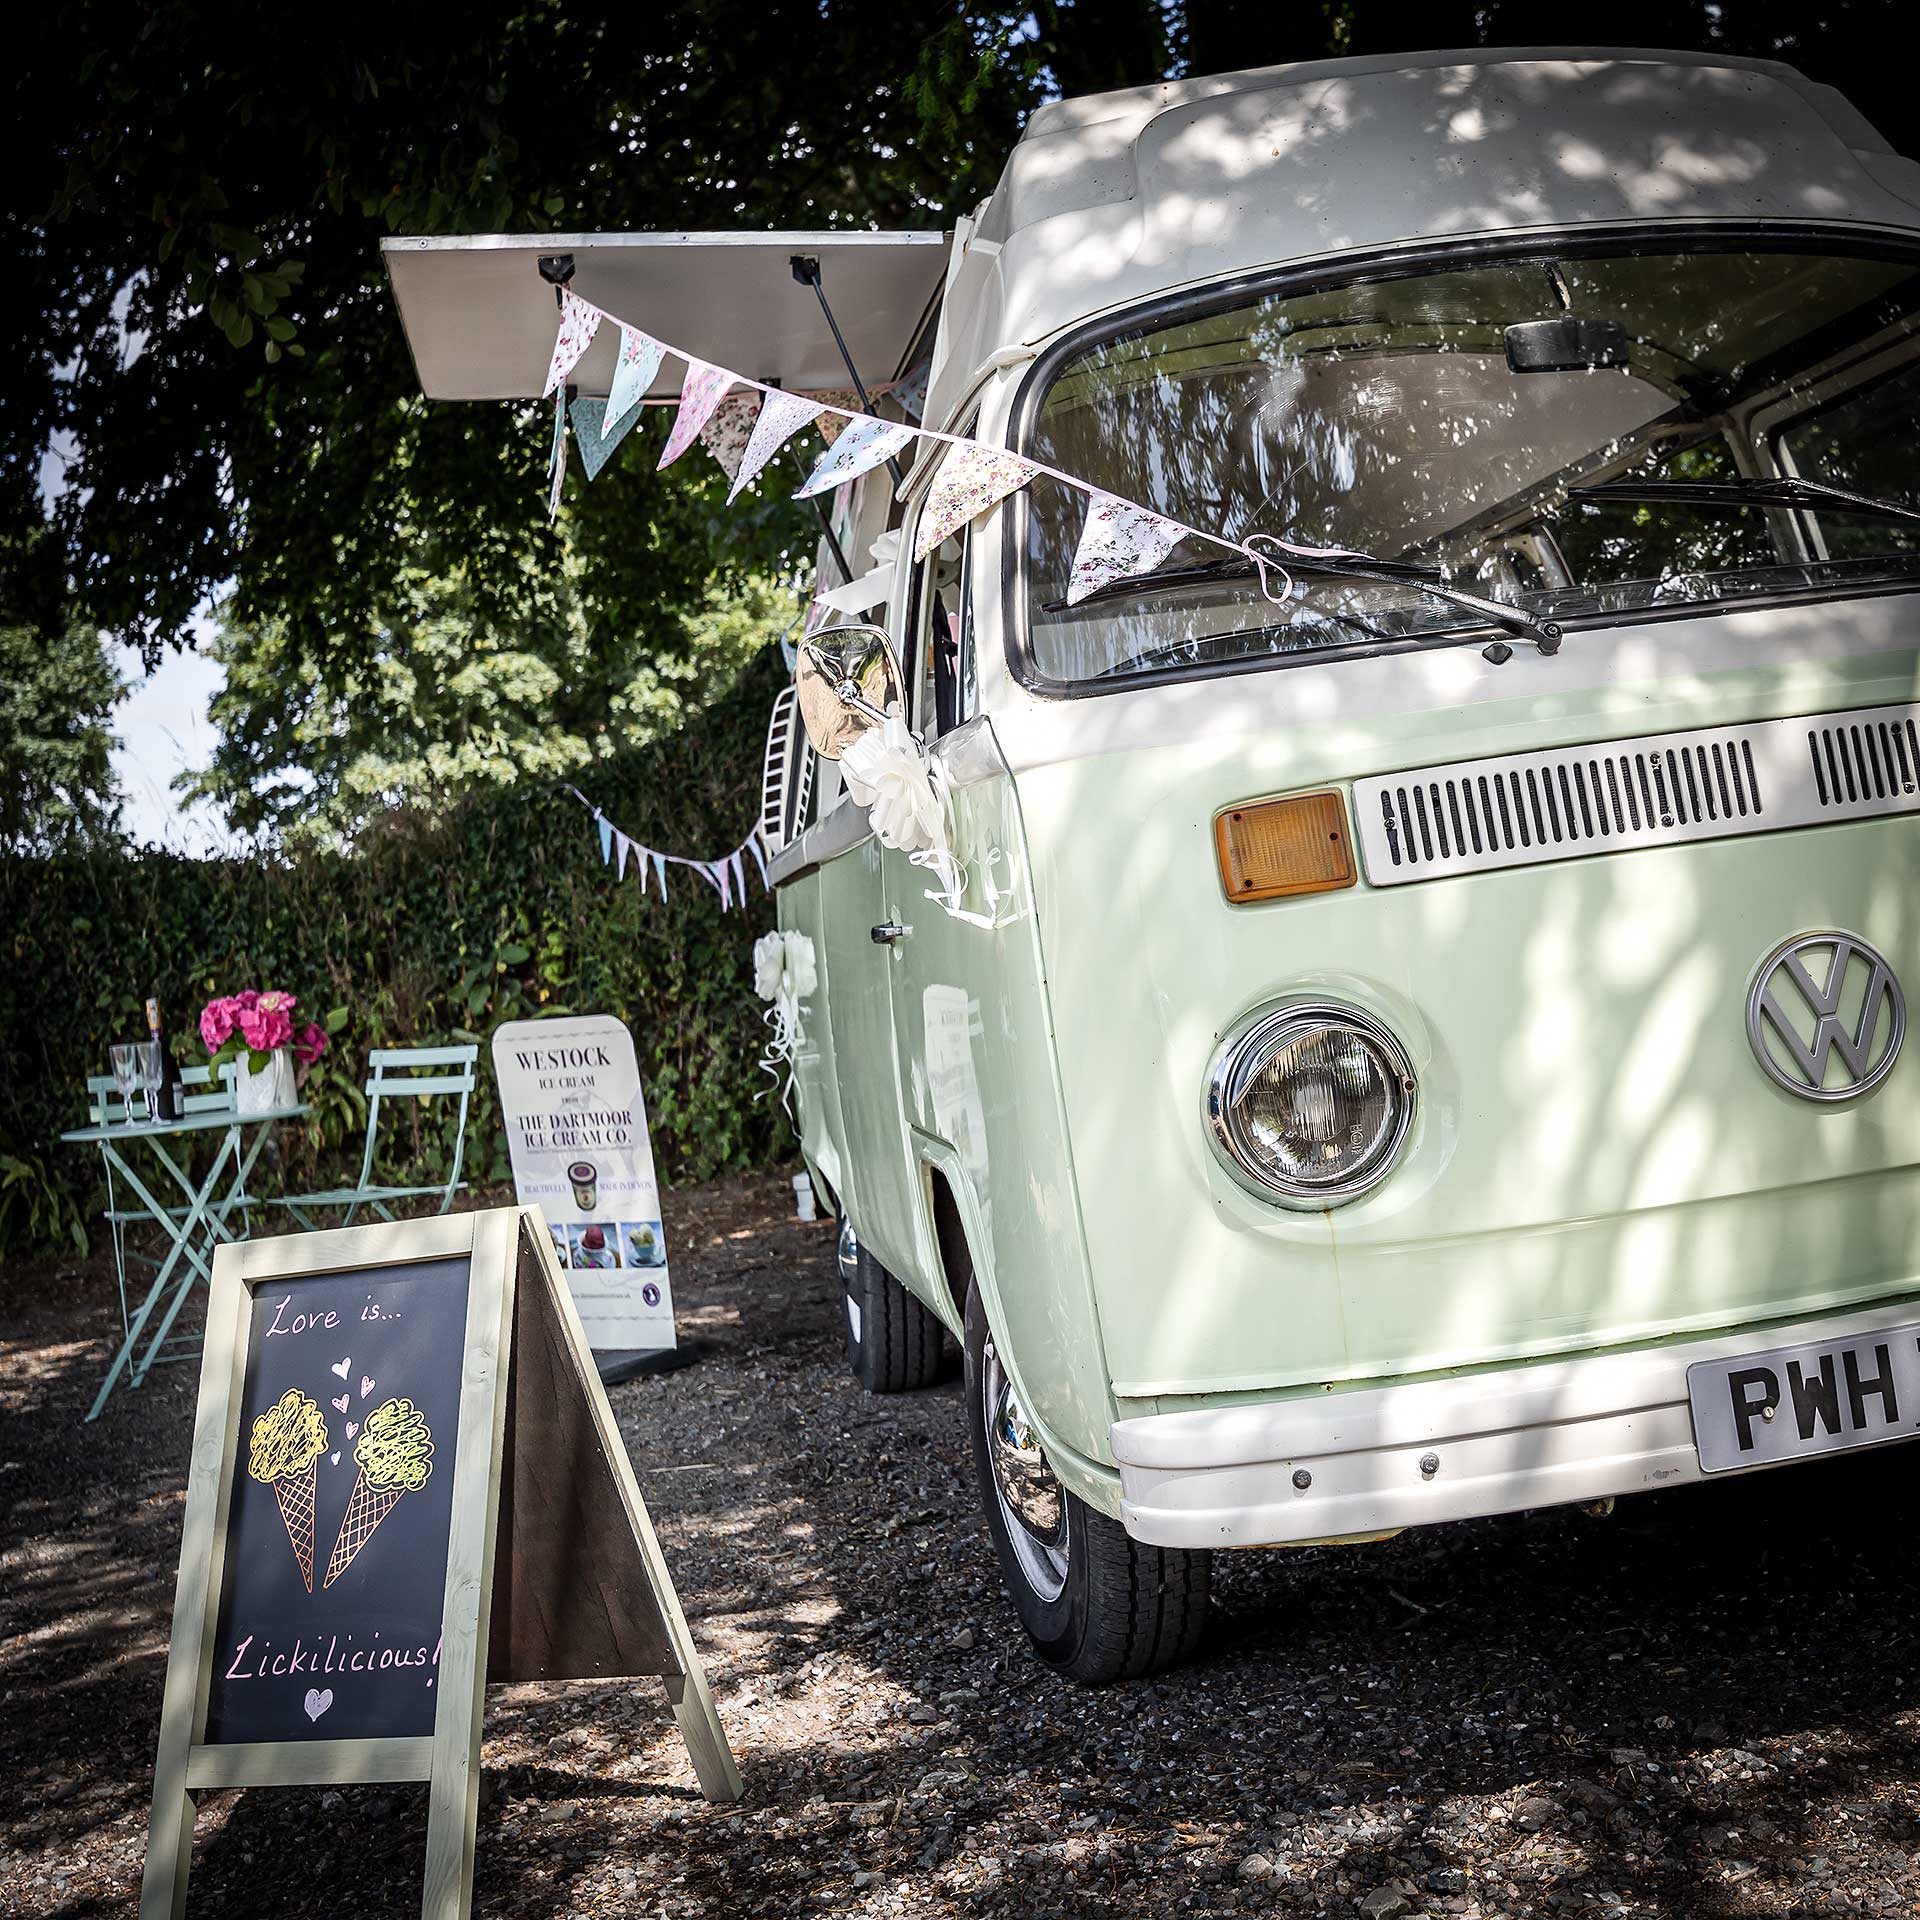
(1116, 197)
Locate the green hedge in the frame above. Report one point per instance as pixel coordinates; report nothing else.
(434, 929)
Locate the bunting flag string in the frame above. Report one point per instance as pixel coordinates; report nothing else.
(726, 874)
(1121, 537)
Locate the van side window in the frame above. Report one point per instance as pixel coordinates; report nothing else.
(933, 635)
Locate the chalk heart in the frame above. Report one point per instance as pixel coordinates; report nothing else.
(340, 1366)
(341, 1403)
(317, 1702)
(334, 1457)
(353, 1427)
(366, 1385)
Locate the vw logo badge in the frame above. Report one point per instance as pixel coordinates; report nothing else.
(1825, 1007)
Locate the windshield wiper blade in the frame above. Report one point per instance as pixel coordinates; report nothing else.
(1545, 634)
(1750, 491)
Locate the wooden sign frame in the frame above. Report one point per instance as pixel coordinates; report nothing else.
(513, 1281)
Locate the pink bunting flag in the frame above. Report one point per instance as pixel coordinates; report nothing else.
(973, 479)
(726, 434)
(633, 370)
(865, 444)
(578, 324)
(783, 415)
(701, 391)
(1119, 540)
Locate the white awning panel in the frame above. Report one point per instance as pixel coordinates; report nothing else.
(480, 319)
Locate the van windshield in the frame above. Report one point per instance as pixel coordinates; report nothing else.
(1515, 426)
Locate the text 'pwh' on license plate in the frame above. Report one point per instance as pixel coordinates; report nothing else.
(1815, 1398)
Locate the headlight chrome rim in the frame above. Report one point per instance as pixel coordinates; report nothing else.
(1256, 1038)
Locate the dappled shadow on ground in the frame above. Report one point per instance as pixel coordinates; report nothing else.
(1702, 1705)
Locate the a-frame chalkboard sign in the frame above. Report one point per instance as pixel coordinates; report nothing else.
(406, 1481)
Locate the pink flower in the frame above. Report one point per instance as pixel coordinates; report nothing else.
(217, 1021)
(265, 1028)
(310, 1045)
(245, 1002)
(274, 1001)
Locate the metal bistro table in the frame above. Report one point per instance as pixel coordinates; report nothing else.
(193, 1229)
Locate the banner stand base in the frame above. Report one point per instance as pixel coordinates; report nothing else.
(613, 1365)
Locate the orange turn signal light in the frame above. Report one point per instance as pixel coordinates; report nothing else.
(1273, 848)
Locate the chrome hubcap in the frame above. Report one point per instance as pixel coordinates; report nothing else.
(1031, 1500)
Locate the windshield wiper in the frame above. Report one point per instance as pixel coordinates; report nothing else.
(1784, 491)
(1545, 634)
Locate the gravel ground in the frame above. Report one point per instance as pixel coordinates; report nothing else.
(1705, 1704)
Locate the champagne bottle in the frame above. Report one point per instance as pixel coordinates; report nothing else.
(166, 1097)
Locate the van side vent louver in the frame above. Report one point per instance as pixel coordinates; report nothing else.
(1520, 808)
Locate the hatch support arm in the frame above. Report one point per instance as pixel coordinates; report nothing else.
(806, 269)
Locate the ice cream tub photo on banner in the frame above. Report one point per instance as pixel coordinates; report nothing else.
(577, 1131)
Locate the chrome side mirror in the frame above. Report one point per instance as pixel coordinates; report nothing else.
(846, 681)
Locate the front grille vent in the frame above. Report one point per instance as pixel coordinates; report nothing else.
(1517, 809)
(1876, 759)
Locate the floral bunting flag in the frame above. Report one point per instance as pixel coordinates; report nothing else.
(739, 878)
(727, 432)
(622, 846)
(864, 445)
(633, 369)
(780, 419)
(759, 860)
(660, 874)
(973, 479)
(719, 871)
(596, 447)
(557, 458)
(701, 391)
(1119, 540)
(832, 425)
(578, 324)
(606, 838)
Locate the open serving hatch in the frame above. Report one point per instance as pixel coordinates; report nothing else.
(480, 318)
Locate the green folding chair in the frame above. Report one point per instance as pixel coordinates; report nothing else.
(398, 1073)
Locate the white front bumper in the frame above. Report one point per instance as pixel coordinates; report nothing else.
(1501, 1442)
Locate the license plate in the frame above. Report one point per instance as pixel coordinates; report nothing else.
(1795, 1401)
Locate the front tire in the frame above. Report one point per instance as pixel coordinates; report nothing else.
(894, 1342)
(1098, 1605)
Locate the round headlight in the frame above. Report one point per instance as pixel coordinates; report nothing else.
(1309, 1104)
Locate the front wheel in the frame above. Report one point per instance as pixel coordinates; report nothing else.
(1097, 1604)
(894, 1342)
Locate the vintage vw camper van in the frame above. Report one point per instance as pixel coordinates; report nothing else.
(1383, 1062)
(1420, 1034)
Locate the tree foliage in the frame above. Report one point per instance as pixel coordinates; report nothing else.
(442, 699)
(202, 344)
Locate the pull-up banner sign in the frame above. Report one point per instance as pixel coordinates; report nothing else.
(406, 1481)
(577, 1132)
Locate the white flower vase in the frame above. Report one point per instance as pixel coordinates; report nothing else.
(270, 1089)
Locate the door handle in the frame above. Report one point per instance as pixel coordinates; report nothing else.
(888, 931)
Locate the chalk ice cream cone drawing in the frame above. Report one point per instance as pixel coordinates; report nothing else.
(395, 1455)
(283, 1451)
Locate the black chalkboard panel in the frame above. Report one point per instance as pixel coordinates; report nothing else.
(336, 1549)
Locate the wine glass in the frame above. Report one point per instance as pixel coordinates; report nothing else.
(125, 1062)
